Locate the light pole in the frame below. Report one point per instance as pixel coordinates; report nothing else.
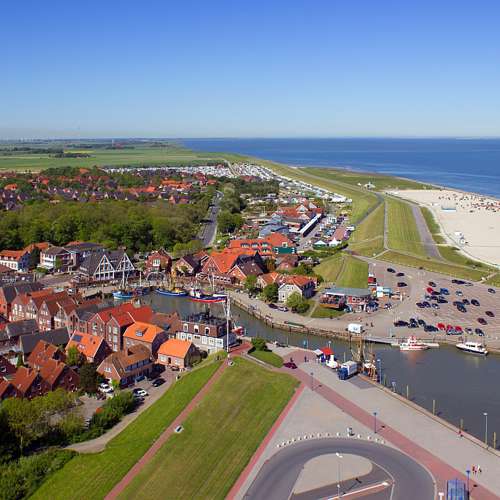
(486, 428)
(375, 422)
(312, 381)
(379, 361)
(339, 456)
(468, 474)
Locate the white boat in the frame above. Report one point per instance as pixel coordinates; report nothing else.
(473, 347)
(413, 344)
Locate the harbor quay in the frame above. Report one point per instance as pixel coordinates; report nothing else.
(359, 409)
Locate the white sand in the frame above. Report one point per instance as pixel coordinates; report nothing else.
(468, 221)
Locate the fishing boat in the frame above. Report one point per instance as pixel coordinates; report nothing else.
(176, 292)
(473, 347)
(239, 331)
(197, 295)
(413, 344)
(122, 294)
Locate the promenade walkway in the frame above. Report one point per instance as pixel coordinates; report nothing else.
(428, 440)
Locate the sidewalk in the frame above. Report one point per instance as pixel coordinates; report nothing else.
(434, 445)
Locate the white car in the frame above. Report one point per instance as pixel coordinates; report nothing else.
(106, 388)
(140, 392)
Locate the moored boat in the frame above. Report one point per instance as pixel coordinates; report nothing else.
(413, 344)
(197, 295)
(122, 294)
(473, 347)
(176, 292)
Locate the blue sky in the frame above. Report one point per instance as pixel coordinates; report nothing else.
(249, 69)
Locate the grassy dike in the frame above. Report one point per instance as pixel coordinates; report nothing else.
(219, 437)
(92, 476)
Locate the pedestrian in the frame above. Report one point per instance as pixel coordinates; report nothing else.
(479, 470)
(474, 469)
(305, 359)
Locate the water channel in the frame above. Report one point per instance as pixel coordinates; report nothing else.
(463, 386)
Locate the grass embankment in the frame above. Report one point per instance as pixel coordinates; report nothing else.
(268, 357)
(330, 267)
(434, 265)
(140, 155)
(354, 273)
(494, 280)
(219, 437)
(362, 200)
(433, 226)
(326, 312)
(94, 475)
(402, 229)
(368, 239)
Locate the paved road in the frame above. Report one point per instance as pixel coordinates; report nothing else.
(278, 476)
(425, 235)
(209, 230)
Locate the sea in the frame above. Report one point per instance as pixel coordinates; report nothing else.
(466, 164)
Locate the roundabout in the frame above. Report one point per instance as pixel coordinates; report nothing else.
(321, 468)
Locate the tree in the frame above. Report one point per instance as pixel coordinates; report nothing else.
(297, 303)
(73, 356)
(19, 361)
(251, 283)
(259, 344)
(88, 378)
(34, 258)
(270, 292)
(228, 222)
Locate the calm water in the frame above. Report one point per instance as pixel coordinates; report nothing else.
(463, 385)
(471, 165)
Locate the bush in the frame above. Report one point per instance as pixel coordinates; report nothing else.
(112, 412)
(259, 344)
(22, 478)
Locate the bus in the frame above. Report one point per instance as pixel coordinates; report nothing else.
(456, 490)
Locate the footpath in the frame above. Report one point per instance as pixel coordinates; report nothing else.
(437, 446)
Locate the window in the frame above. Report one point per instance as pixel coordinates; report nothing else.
(196, 328)
(107, 369)
(207, 330)
(185, 327)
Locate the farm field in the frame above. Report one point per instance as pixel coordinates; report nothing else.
(402, 229)
(368, 239)
(92, 476)
(219, 437)
(140, 155)
(354, 273)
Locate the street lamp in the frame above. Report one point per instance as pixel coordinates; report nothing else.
(486, 428)
(339, 456)
(468, 474)
(375, 422)
(379, 361)
(312, 381)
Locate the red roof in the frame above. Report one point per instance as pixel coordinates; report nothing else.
(327, 351)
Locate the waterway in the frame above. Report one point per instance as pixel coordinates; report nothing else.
(464, 386)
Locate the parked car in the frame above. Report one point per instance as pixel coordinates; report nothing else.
(158, 382)
(413, 323)
(491, 314)
(468, 283)
(400, 274)
(137, 391)
(459, 293)
(441, 300)
(479, 332)
(273, 306)
(401, 284)
(444, 291)
(458, 282)
(465, 302)
(420, 305)
(492, 290)
(391, 270)
(475, 302)
(421, 322)
(426, 304)
(482, 321)
(430, 328)
(106, 388)
(435, 306)
(290, 364)
(400, 323)
(432, 284)
(283, 308)
(461, 308)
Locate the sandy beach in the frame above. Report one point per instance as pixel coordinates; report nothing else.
(469, 221)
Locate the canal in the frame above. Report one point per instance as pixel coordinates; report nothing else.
(463, 386)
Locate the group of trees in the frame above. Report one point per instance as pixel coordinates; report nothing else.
(297, 303)
(137, 226)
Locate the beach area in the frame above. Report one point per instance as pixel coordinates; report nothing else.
(468, 221)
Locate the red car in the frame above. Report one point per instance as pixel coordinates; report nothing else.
(429, 290)
(458, 329)
(441, 326)
(290, 365)
(482, 321)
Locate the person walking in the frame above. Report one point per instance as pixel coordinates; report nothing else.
(474, 470)
(479, 470)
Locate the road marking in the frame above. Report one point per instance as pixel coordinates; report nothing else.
(383, 484)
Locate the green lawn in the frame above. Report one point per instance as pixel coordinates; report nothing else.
(494, 280)
(89, 476)
(433, 226)
(326, 312)
(268, 357)
(140, 155)
(219, 437)
(330, 267)
(433, 265)
(368, 239)
(354, 273)
(403, 233)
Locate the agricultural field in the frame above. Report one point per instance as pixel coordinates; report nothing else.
(368, 239)
(219, 437)
(139, 155)
(92, 476)
(354, 273)
(402, 229)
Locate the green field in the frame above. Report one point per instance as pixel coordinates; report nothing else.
(140, 155)
(368, 239)
(354, 273)
(326, 312)
(494, 280)
(433, 265)
(402, 229)
(268, 357)
(330, 267)
(433, 226)
(219, 437)
(89, 476)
